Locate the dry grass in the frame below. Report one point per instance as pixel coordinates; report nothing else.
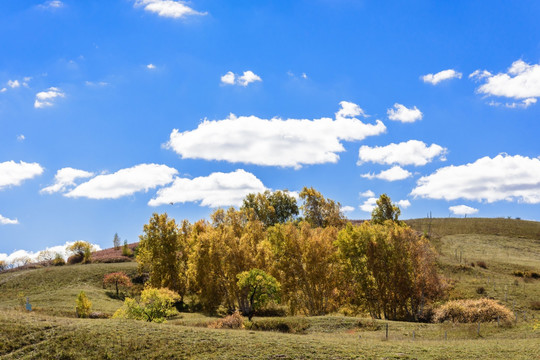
(473, 311)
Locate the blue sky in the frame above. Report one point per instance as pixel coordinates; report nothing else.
(113, 110)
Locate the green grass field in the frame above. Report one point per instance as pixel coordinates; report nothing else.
(51, 331)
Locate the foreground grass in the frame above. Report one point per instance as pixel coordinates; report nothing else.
(40, 336)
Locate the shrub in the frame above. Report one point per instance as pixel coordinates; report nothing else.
(480, 290)
(75, 259)
(482, 264)
(83, 249)
(126, 251)
(286, 325)
(535, 305)
(472, 311)
(526, 274)
(58, 260)
(233, 321)
(155, 305)
(3, 265)
(83, 305)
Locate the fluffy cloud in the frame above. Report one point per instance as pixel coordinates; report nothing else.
(369, 204)
(65, 178)
(434, 79)
(16, 256)
(367, 193)
(247, 78)
(20, 137)
(404, 114)
(462, 210)
(347, 209)
(7, 221)
(216, 190)
(151, 66)
(521, 81)
(13, 174)
(488, 179)
(168, 8)
(48, 97)
(393, 174)
(52, 4)
(124, 182)
(273, 142)
(412, 152)
(13, 84)
(403, 204)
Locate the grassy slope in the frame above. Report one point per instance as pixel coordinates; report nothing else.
(52, 332)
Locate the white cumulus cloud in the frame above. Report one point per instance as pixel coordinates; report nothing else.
(403, 204)
(65, 178)
(245, 79)
(347, 209)
(367, 194)
(16, 256)
(462, 210)
(48, 97)
(124, 182)
(369, 204)
(504, 177)
(13, 174)
(168, 8)
(215, 190)
(448, 74)
(273, 142)
(520, 82)
(7, 221)
(395, 173)
(404, 114)
(151, 66)
(13, 83)
(412, 152)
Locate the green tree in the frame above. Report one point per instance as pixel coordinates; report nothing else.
(155, 305)
(385, 210)
(83, 305)
(117, 279)
(257, 288)
(272, 207)
(116, 241)
(163, 252)
(81, 249)
(319, 211)
(126, 251)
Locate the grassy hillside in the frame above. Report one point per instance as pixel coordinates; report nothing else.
(52, 331)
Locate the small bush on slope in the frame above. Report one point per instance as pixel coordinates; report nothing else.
(471, 311)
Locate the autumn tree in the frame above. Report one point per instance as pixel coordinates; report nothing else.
(163, 252)
(304, 262)
(257, 288)
(82, 250)
(116, 241)
(224, 248)
(391, 269)
(83, 305)
(385, 210)
(3, 265)
(154, 305)
(319, 211)
(117, 279)
(272, 207)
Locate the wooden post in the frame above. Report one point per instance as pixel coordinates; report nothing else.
(498, 321)
(445, 335)
(413, 335)
(478, 330)
(386, 331)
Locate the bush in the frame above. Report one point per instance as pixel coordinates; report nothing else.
(234, 321)
(535, 305)
(480, 290)
(58, 260)
(75, 259)
(83, 305)
(526, 274)
(155, 305)
(286, 325)
(482, 264)
(472, 311)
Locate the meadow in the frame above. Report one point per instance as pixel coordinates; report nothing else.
(478, 261)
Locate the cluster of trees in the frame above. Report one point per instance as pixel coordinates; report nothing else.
(314, 264)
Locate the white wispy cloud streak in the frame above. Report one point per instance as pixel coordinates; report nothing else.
(168, 8)
(395, 173)
(215, 190)
(504, 177)
(48, 97)
(412, 152)
(65, 178)
(7, 221)
(404, 114)
(521, 82)
(448, 74)
(13, 174)
(124, 182)
(274, 142)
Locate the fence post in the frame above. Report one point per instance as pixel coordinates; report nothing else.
(413, 335)
(386, 331)
(478, 330)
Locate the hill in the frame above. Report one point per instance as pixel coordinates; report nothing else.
(477, 256)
